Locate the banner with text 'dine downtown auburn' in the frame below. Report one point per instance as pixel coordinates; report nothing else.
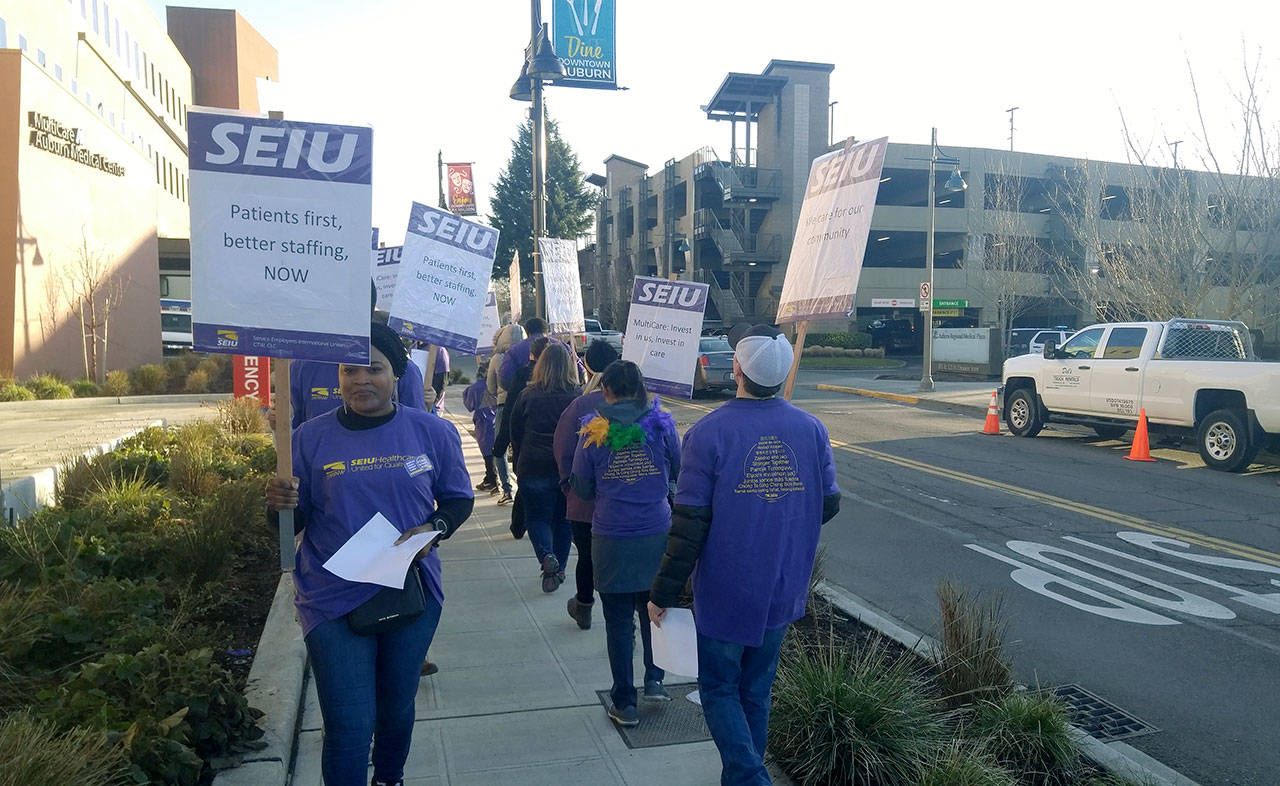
(280, 225)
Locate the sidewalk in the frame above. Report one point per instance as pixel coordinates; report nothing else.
(971, 395)
(515, 699)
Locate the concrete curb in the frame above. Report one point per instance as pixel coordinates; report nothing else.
(901, 399)
(26, 495)
(1114, 757)
(276, 687)
(168, 398)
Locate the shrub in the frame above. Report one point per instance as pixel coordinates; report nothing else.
(961, 765)
(85, 388)
(218, 369)
(79, 477)
(846, 716)
(1029, 733)
(856, 353)
(241, 416)
(148, 379)
(175, 370)
(11, 391)
(191, 469)
(35, 752)
(972, 664)
(838, 340)
(47, 386)
(173, 708)
(456, 377)
(116, 384)
(197, 382)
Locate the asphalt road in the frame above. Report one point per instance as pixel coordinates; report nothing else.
(1154, 586)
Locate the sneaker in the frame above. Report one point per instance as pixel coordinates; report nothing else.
(486, 485)
(581, 612)
(376, 782)
(429, 668)
(495, 490)
(550, 579)
(624, 716)
(653, 691)
(505, 498)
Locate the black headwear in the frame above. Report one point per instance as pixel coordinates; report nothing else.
(387, 341)
(600, 354)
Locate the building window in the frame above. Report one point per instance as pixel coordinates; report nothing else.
(4, 35)
(57, 69)
(112, 117)
(40, 58)
(75, 87)
(106, 24)
(118, 52)
(95, 16)
(128, 50)
(22, 42)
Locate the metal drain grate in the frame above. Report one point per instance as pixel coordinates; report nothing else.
(672, 722)
(1099, 718)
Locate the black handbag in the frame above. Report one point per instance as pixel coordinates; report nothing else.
(390, 609)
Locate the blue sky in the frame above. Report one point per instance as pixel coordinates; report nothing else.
(430, 75)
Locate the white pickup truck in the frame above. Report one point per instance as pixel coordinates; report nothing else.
(1193, 376)
(580, 341)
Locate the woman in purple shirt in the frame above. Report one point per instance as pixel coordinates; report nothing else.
(369, 456)
(626, 460)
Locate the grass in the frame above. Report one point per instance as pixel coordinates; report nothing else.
(961, 764)
(972, 664)
(846, 716)
(34, 752)
(1030, 734)
(843, 363)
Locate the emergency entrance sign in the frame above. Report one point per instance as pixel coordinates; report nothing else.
(280, 222)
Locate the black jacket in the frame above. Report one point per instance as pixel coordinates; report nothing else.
(533, 428)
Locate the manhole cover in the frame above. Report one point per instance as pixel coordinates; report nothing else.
(1100, 718)
(672, 722)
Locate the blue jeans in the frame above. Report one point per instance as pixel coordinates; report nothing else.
(620, 609)
(735, 683)
(549, 531)
(504, 477)
(366, 686)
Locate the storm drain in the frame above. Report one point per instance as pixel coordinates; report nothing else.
(1099, 718)
(672, 722)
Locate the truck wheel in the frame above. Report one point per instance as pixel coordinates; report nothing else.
(1110, 432)
(1224, 441)
(1022, 414)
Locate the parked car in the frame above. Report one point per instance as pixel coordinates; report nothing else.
(594, 331)
(714, 370)
(894, 334)
(1191, 376)
(1021, 338)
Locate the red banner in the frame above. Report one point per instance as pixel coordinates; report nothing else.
(461, 191)
(251, 376)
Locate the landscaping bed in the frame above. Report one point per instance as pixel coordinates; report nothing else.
(129, 611)
(852, 706)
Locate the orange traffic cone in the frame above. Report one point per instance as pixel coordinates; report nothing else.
(992, 426)
(1141, 450)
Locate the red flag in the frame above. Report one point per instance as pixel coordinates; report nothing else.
(462, 190)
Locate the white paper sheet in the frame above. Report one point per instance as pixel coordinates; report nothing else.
(369, 556)
(675, 644)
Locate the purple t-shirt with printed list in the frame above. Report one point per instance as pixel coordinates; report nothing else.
(631, 485)
(399, 468)
(763, 467)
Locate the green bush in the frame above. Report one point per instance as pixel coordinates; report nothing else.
(850, 716)
(176, 371)
(35, 752)
(456, 377)
(218, 369)
(174, 709)
(1029, 733)
(85, 388)
(241, 416)
(838, 340)
(148, 380)
(197, 382)
(47, 386)
(116, 384)
(11, 391)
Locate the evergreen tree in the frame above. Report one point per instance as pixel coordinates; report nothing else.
(570, 201)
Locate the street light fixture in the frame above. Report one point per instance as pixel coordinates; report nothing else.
(540, 65)
(954, 184)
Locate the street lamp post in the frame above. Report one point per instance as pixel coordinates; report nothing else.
(540, 65)
(953, 184)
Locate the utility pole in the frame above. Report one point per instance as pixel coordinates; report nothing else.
(1174, 144)
(440, 178)
(831, 124)
(1011, 110)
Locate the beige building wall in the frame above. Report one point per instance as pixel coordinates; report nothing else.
(75, 84)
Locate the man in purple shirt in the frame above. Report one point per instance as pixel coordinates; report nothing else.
(757, 482)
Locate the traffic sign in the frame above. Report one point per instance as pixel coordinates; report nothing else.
(944, 303)
(892, 302)
(925, 289)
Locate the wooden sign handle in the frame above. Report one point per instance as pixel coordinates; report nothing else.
(284, 454)
(802, 331)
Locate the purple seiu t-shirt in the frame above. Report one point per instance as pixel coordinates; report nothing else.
(399, 468)
(763, 467)
(313, 389)
(565, 444)
(631, 484)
